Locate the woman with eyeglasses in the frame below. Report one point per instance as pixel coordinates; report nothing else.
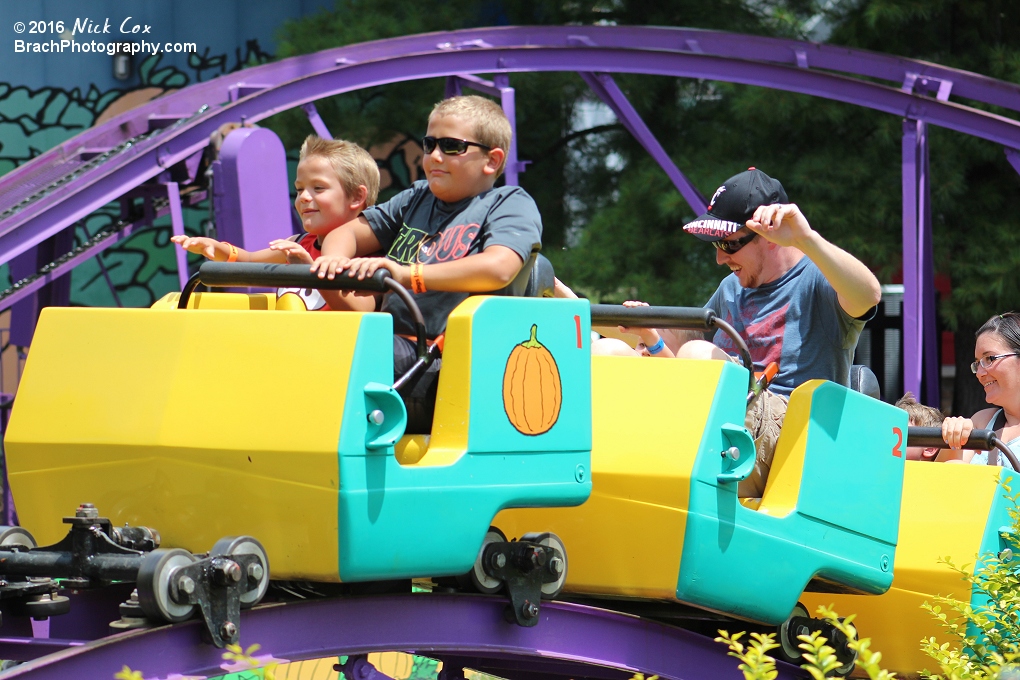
(997, 368)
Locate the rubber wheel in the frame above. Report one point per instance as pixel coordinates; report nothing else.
(789, 650)
(477, 579)
(154, 577)
(553, 589)
(246, 545)
(17, 536)
(846, 668)
(46, 606)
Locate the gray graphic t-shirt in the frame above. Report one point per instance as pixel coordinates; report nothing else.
(415, 226)
(795, 321)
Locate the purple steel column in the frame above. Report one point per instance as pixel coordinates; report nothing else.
(173, 193)
(498, 87)
(1013, 156)
(452, 87)
(316, 120)
(930, 359)
(911, 313)
(508, 99)
(609, 92)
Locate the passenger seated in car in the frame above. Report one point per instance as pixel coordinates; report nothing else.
(446, 237)
(997, 367)
(921, 416)
(336, 181)
(796, 299)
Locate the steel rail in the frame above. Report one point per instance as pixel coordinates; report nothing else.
(149, 157)
(568, 639)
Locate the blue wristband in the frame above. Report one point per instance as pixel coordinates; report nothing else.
(657, 347)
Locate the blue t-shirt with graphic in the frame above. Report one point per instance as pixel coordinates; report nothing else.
(415, 226)
(795, 321)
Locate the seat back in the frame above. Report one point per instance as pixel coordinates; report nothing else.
(534, 280)
(863, 380)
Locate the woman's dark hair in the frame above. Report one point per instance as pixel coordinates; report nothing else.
(1006, 326)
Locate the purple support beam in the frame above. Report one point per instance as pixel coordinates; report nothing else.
(931, 361)
(78, 197)
(912, 335)
(316, 120)
(56, 162)
(452, 87)
(1013, 156)
(921, 361)
(500, 87)
(173, 194)
(603, 85)
(568, 640)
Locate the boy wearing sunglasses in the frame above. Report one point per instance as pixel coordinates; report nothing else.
(795, 298)
(445, 237)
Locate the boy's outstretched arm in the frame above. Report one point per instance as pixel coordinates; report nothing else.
(338, 246)
(492, 269)
(219, 251)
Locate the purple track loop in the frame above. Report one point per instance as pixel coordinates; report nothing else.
(568, 639)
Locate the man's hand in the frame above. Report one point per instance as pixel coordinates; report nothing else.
(782, 223)
(857, 289)
(293, 251)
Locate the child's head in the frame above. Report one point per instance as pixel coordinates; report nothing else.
(920, 415)
(336, 180)
(461, 171)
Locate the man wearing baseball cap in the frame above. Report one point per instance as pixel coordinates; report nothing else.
(795, 298)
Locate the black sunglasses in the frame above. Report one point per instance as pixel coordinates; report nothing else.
(449, 146)
(730, 247)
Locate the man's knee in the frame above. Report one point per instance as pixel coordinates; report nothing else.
(701, 349)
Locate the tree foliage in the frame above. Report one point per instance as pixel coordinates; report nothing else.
(613, 219)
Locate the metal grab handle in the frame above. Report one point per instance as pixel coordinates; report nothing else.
(689, 318)
(980, 440)
(223, 274)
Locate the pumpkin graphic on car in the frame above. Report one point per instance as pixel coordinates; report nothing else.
(532, 393)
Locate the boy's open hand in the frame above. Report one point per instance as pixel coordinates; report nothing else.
(294, 252)
(197, 244)
(648, 336)
(365, 267)
(328, 266)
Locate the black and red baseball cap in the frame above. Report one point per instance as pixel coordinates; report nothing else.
(734, 203)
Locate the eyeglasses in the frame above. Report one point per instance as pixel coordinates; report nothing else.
(449, 146)
(730, 247)
(986, 362)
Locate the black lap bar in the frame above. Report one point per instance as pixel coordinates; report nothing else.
(690, 318)
(241, 274)
(221, 274)
(981, 440)
(931, 437)
(687, 318)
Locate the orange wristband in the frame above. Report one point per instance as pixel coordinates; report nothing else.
(417, 278)
(232, 257)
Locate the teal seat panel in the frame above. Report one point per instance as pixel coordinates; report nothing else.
(386, 509)
(843, 529)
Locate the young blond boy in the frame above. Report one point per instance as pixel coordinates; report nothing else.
(336, 181)
(920, 415)
(446, 237)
